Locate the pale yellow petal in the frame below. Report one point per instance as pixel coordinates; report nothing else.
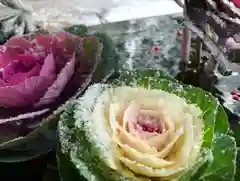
(158, 141)
(149, 112)
(149, 171)
(180, 147)
(168, 148)
(147, 103)
(134, 142)
(146, 159)
(115, 113)
(183, 148)
(169, 124)
(130, 114)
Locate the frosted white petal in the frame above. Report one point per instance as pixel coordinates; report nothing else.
(113, 128)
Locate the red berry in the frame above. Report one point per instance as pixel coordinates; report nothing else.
(155, 49)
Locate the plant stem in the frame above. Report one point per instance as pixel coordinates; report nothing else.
(186, 44)
(199, 46)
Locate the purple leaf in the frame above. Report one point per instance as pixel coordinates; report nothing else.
(20, 77)
(18, 41)
(67, 43)
(13, 47)
(28, 61)
(46, 41)
(3, 83)
(8, 54)
(25, 93)
(49, 66)
(23, 67)
(57, 87)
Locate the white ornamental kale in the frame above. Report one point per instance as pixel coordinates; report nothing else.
(146, 126)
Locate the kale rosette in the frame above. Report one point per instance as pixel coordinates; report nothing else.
(40, 72)
(145, 125)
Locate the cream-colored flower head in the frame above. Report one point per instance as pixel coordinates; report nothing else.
(154, 134)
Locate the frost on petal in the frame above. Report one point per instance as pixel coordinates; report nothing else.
(57, 87)
(25, 93)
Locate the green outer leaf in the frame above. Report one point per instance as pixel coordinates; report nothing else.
(222, 166)
(222, 126)
(193, 173)
(110, 58)
(31, 146)
(66, 168)
(237, 175)
(215, 136)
